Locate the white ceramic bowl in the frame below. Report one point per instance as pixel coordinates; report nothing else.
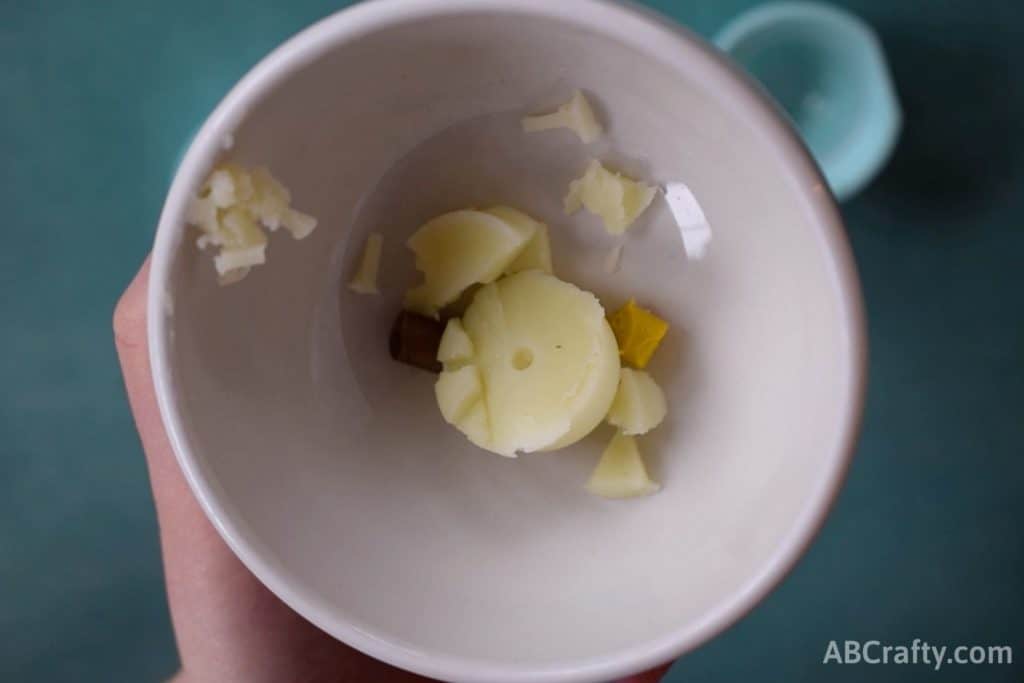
(325, 465)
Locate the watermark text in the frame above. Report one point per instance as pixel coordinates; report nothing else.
(917, 652)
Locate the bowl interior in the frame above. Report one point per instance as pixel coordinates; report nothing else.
(328, 465)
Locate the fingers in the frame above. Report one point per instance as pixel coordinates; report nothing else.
(228, 626)
(198, 567)
(652, 676)
(182, 523)
(133, 352)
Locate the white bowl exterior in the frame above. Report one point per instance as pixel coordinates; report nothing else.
(325, 465)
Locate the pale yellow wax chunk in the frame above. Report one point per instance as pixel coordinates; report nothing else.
(548, 363)
(457, 392)
(243, 243)
(577, 115)
(456, 346)
(459, 249)
(618, 200)
(365, 280)
(476, 425)
(621, 472)
(536, 255)
(639, 404)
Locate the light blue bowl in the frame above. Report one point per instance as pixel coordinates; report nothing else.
(825, 67)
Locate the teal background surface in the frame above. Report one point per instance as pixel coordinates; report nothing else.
(924, 542)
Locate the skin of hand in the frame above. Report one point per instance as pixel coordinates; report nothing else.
(229, 627)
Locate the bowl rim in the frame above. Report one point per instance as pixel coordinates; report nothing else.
(661, 39)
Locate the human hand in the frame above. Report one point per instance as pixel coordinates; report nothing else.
(229, 627)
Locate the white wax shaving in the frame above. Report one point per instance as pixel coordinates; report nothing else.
(693, 226)
(365, 280)
(240, 258)
(612, 261)
(232, 276)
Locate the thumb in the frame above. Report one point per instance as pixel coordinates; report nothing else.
(169, 487)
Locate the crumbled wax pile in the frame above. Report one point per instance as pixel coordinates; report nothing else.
(365, 280)
(232, 209)
(577, 115)
(618, 200)
(528, 362)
